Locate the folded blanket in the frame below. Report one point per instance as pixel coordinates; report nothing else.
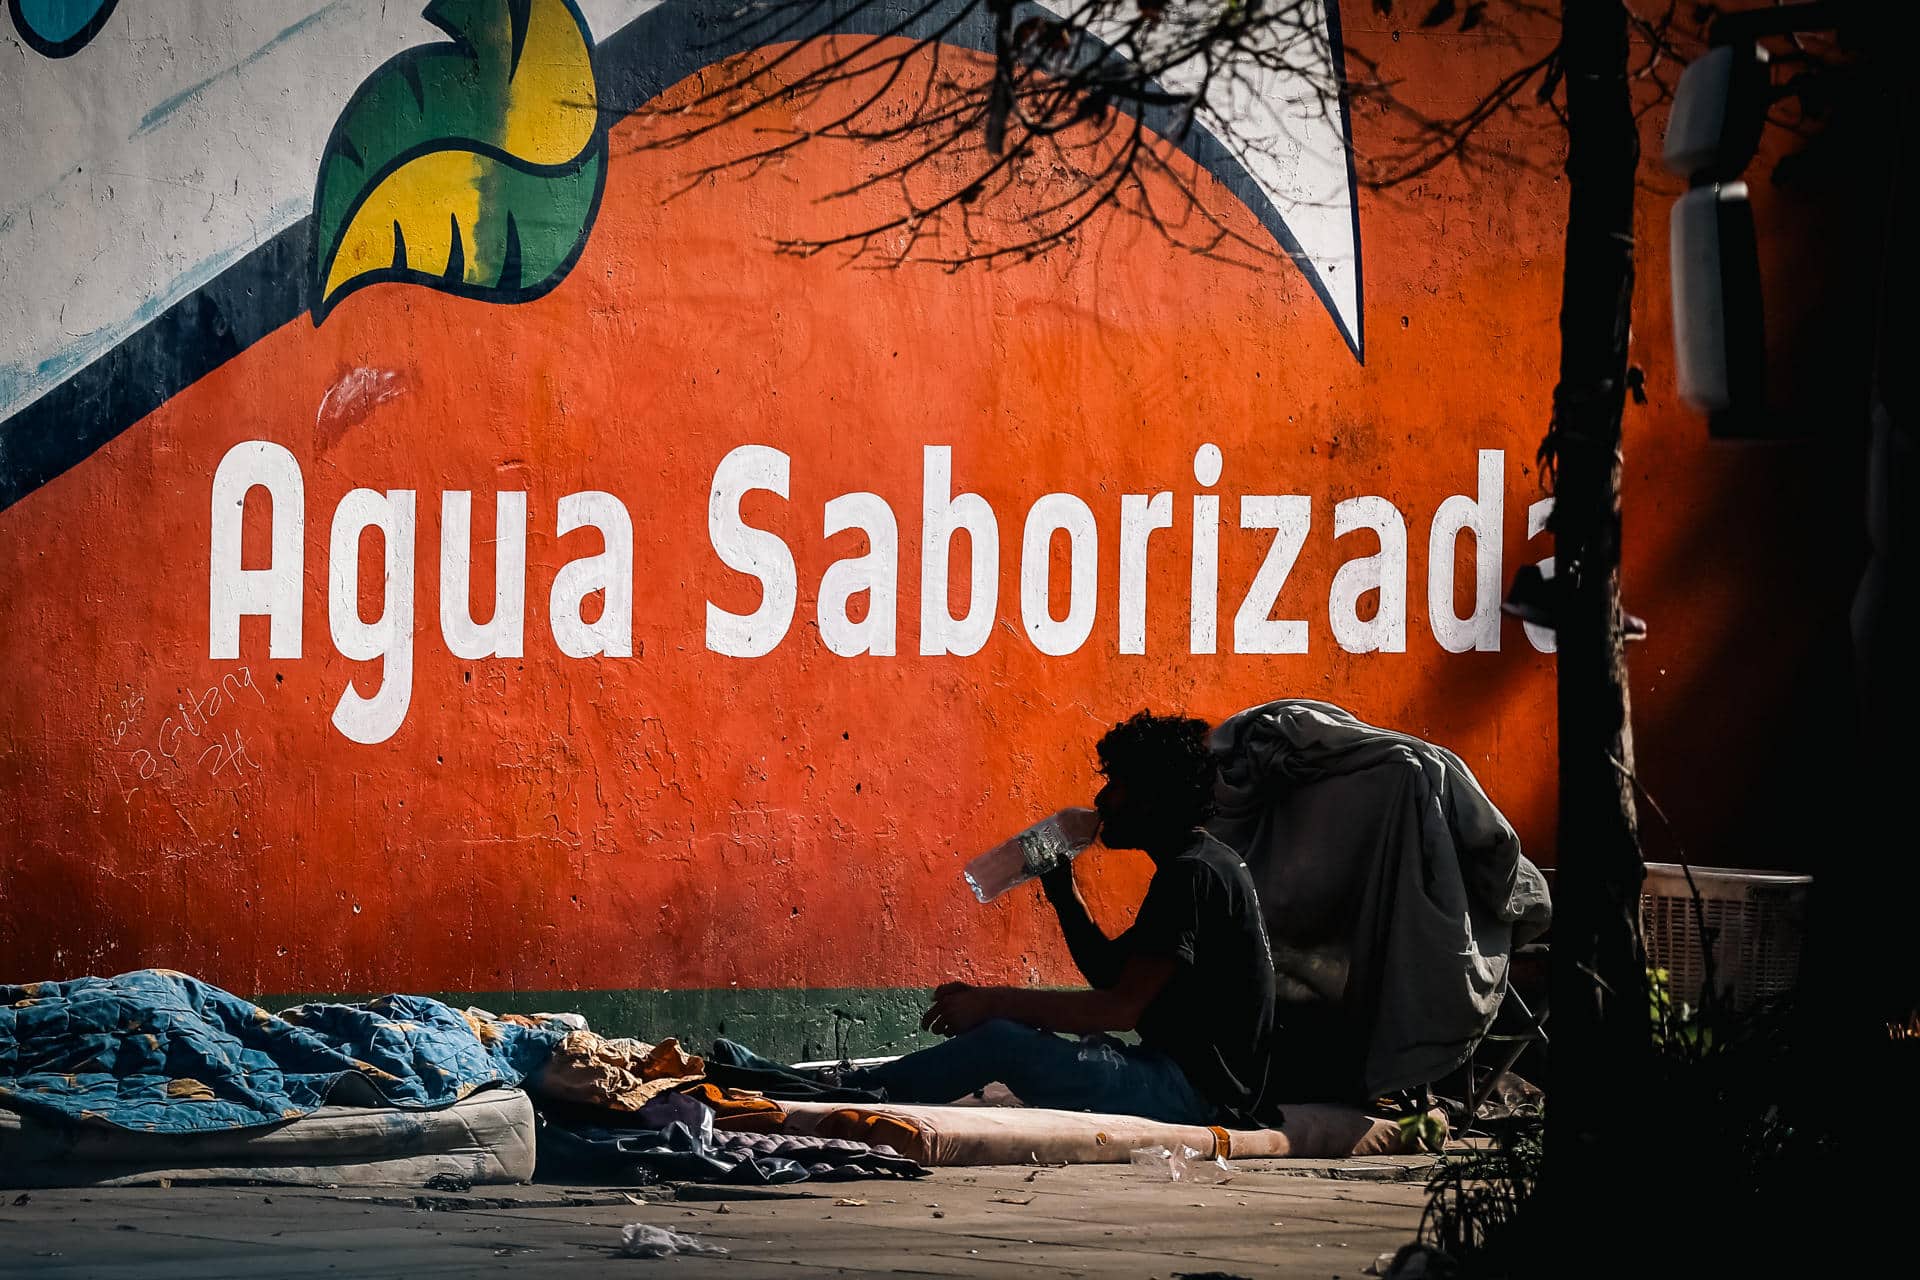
(161, 1052)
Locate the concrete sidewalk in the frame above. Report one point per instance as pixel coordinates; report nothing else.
(1277, 1218)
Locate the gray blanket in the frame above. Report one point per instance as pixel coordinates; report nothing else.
(1392, 888)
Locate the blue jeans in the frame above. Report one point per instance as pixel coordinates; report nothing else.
(1096, 1073)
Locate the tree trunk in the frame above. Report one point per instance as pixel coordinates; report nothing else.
(1601, 1039)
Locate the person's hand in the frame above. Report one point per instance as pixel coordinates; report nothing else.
(1057, 884)
(957, 1007)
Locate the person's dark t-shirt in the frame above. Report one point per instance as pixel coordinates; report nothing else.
(1215, 1015)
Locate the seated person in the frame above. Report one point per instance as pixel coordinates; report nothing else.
(1193, 975)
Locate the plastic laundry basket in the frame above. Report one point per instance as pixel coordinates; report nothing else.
(1759, 922)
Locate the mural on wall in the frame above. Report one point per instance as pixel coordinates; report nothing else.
(227, 274)
(677, 629)
(145, 236)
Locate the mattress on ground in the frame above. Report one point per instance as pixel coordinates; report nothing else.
(973, 1135)
(487, 1137)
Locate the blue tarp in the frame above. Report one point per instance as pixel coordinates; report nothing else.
(158, 1051)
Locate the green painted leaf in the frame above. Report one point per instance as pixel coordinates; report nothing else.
(473, 165)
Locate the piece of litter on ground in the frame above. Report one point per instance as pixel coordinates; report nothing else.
(938, 1214)
(1186, 1164)
(642, 1240)
(632, 1198)
(849, 1203)
(723, 1209)
(1012, 1200)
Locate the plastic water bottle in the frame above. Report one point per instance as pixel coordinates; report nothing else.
(1046, 844)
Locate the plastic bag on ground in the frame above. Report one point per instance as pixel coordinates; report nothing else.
(1184, 1165)
(640, 1240)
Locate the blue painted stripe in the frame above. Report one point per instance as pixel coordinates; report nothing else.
(160, 112)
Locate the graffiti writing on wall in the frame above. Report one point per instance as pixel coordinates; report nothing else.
(194, 739)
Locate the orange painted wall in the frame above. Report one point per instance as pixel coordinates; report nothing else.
(682, 819)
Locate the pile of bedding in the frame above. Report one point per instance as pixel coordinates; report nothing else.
(155, 1076)
(756, 1094)
(156, 1051)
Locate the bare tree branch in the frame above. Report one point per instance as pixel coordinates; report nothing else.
(963, 104)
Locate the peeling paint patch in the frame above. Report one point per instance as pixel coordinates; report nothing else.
(350, 401)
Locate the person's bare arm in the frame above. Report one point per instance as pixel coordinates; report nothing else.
(1098, 957)
(959, 1007)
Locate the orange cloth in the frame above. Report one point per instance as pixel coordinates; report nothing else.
(742, 1110)
(872, 1128)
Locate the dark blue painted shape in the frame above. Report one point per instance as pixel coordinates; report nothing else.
(59, 28)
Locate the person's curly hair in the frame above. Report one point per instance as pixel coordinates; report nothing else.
(1167, 755)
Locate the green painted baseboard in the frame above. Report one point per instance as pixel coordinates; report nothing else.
(790, 1025)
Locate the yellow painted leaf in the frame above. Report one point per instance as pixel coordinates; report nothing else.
(473, 166)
